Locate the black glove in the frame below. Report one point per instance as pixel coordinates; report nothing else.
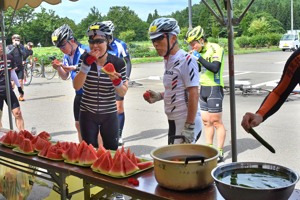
(20, 90)
(88, 59)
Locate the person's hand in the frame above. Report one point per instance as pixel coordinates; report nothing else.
(21, 92)
(196, 54)
(188, 132)
(251, 120)
(56, 64)
(89, 58)
(116, 79)
(152, 97)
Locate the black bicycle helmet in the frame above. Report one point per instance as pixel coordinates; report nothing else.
(62, 33)
(163, 25)
(98, 28)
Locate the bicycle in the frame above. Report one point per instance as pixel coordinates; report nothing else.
(27, 74)
(246, 90)
(39, 70)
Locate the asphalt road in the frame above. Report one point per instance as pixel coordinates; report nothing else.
(48, 107)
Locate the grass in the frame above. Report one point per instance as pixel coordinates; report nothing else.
(44, 52)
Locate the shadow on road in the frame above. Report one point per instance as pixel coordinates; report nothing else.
(153, 133)
(63, 133)
(47, 97)
(243, 145)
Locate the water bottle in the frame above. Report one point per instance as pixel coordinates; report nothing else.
(33, 131)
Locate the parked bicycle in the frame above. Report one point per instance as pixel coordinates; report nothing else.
(40, 70)
(246, 89)
(27, 74)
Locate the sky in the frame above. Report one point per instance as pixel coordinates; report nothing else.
(80, 9)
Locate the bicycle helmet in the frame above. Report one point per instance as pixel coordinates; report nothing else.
(194, 34)
(110, 25)
(62, 33)
(98, 28)
(163, 25)
(16, 36)
(30, 44)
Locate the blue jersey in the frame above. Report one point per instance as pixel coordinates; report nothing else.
(119, 48)
(74, 60)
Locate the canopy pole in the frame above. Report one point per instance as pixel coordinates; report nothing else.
(231, 79)
(7, 84)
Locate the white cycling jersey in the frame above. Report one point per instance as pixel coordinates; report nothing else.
(181, 72)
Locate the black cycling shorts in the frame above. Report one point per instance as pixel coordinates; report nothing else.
(211, 98)
(20, 73)
(76, 106)
(13, 99)
(119, 98)
(90, 124)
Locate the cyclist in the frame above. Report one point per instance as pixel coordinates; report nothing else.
(210, 57)
(119, 48)
(64, 39)
(98, 110)
(272, 103)
(28, 52)
(16, 49)
(15, 106)
(181, 82)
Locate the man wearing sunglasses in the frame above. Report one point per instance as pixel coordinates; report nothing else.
(180, 79)
(16, 49)
(63, 39)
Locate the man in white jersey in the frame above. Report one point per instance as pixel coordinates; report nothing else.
(181, 80)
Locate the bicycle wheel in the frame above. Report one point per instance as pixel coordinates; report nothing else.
(27, 76)
(37, 70)
(49, 72)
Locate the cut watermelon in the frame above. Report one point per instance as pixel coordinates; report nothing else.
(54, 153)
(88, 155)
(106, 163)
(117, 168)
(7, 139)
(26, 146)
(45, 135)
(101, 150)
(129, 166)
(71, 155)
(109, 69)
(145, 165)
(40, 143)
(45, 150)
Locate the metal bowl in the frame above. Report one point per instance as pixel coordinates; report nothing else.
(232, 190)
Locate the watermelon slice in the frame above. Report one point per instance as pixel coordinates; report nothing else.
(40, 143)
(145, 165)
(45, 135)
(105, 163)
(88, 155)
(44, 151)
(72, 154)
(109, 69)
(8, 138)
(101, 150)
(129, 166)
(54, 152)
(117, 168)
(26, 146)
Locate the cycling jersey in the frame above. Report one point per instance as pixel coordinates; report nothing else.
(212, 52)
(289, 80)
(10, 65)
(118, 48)
(27, 53)
(74, 60)
(180, 73)
(18, 53)
(99, 92)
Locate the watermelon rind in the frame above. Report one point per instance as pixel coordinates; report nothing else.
(18, 150)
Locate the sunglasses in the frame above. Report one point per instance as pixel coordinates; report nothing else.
(97, 41)
(63, 45)
(158, 39)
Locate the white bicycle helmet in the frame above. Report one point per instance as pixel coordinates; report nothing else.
(62, 33)
(111, 27)
(163, 25)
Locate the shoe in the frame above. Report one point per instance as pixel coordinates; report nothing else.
(221, 156)
(120, 141)
(21, 98)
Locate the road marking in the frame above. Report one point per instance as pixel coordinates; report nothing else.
(237, 74)
(268, 83)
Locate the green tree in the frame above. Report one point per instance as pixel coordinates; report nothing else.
(127, 36)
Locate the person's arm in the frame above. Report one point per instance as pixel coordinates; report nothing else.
(128, 66)
(119, 79)
(193, 98)
(211, 66)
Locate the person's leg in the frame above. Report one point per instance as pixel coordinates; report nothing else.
(76, 110)
(89, 128)
(216, 119)
(16, 111)
(121, 116)
(109, 130)
(1, 110)
(20, 74)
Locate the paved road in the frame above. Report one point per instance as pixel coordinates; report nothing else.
(48, 106)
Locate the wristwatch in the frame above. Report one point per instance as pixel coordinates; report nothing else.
(189, 125)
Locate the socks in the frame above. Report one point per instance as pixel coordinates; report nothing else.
(121, 118)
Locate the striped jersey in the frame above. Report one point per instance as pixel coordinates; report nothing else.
(181, 72)
(99, 95)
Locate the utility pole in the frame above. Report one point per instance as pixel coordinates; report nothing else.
(292, 16)
(190, 15)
